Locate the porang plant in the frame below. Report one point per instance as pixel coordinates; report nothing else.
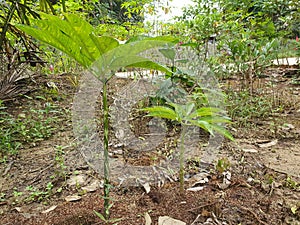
(102, 55)
(207, 118)
(193, 112)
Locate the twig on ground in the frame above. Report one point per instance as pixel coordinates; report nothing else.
(8, 167)
(202, 206)
(254, 214)
(37, 177)
(196, 220)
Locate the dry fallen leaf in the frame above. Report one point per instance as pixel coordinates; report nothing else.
(92, 187)
(250, 150)
(165, 220)
(19, 209)
(76, 180)
(287, 126)
(148, 219)
(195, 189)
(147, 187)
(72, 198)
(50, 209)
(199, 179)
(268, 144)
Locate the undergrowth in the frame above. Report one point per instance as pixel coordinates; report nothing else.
(28, 127)
(244, 107)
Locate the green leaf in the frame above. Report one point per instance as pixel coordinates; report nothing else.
(126, 55)
(136, 38)
(188, 108)
(181, 60)
(137, 47)
(294, 209)
(162, 112)
(124, 61)
(71, 36)
(150, 65)
(193, 45)
(104, 43)
(215, 119)
(205, 111)
(100, 215)
(168, 53)
(202, 124)
(221, 130)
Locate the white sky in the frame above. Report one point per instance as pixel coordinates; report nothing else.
(176, 6)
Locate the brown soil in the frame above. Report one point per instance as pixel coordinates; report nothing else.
(264, 186)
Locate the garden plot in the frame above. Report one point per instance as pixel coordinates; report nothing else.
(258, 156)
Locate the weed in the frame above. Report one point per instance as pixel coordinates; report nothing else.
(223, 165)
(28, 127)
(60, 162)
(2, 197)
(17, 193)
(292, 184)
(74, 80)
(242, 106)
(37, 195)
(108, 221)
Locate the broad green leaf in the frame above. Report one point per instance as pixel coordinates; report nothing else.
(125, 55)
(124, 61)
(189, 107)
(204, 111)
(168, 53)
(137, 47)
(215, 119)
(202, 124)
(102, 67)
(104, 43)
(177, 108)
(71, 36)
(161, 112)
(150, 65)
(136, 38)
(183, 111)
(221, 130)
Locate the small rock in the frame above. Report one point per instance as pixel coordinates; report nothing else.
(28, 215)
(226, 180)
(250, 179)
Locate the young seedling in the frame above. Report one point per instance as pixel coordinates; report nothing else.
(206, 118)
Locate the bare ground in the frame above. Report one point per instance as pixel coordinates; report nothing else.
(264, 167)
